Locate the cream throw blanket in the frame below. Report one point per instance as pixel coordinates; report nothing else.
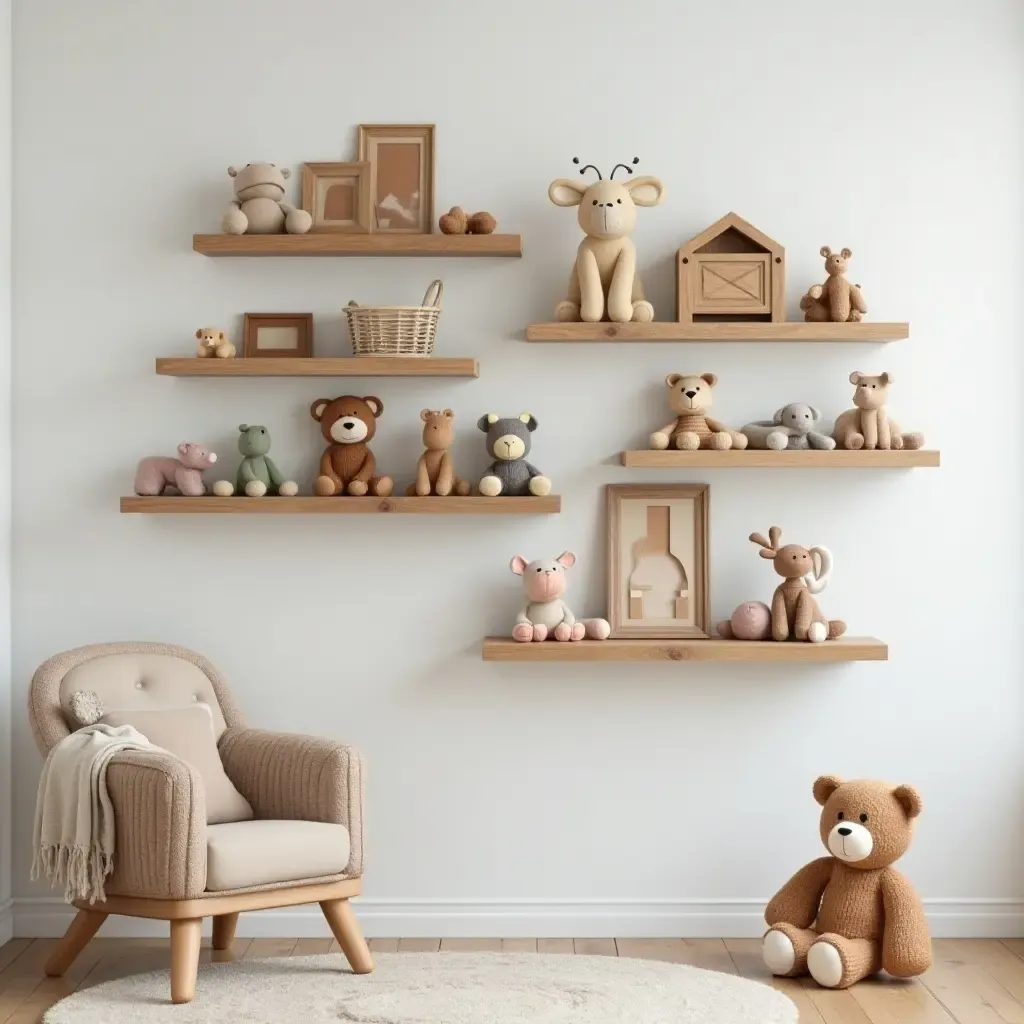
(73, 834)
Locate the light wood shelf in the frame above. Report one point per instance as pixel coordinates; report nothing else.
(372, 244)
(854, 648)
(761, 459)
(790, 330)
(361, 366)
(472, 505)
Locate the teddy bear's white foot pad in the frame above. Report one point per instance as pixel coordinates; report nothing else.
(778, 953)
(825, 965)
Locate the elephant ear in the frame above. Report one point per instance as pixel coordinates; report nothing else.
(777, 418)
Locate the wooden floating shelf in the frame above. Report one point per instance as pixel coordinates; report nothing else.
(372, 244)
(795, 330)
(761, 459)
(473, 505)
(854, 648)
(361, 366)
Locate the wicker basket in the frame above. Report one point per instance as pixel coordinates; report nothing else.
(395, 330)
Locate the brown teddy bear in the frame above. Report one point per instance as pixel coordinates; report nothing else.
(348, 465)
(213, 343)
(868, 425)
(435, 472)
(689, 396)
(851, 914)
(836, 300)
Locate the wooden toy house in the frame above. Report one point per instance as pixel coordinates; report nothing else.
(731, 271)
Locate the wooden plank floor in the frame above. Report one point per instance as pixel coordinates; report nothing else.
(973, 981)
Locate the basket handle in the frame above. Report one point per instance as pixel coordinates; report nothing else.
(432, 297)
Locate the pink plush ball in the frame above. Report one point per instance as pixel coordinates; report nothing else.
(752, 620)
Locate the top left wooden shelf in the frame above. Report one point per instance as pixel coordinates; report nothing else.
(329, 244)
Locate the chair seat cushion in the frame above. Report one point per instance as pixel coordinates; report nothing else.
(240, 854)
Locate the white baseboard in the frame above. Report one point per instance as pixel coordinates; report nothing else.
(6, 921)
(47, 917)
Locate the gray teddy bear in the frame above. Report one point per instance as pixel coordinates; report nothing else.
(508, 443)
(791, 427)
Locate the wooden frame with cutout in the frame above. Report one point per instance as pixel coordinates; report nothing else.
(401, 181)
(284, 336)
(650, 569)
(337, 196)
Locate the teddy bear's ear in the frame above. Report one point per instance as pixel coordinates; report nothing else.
(846, 253)
(485, 421)
(222, 336)
(709, 378)
(232, 172)
(673, 379)
(286, 172)
(375, 404)
(518, 565)
(531, 423)
(449, 414)
(566, 559)
(855, 377)
(199, 334)
(825, 786)
(316, 410)
(885, 378)
(183, 448)
(243, 427)
(825, 251)
(910, 800)
(425, 414)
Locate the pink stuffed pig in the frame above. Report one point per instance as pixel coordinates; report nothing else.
(156, 473)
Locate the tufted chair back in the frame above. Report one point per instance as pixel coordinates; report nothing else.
(125, 676)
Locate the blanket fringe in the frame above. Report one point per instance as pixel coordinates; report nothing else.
(82, 870)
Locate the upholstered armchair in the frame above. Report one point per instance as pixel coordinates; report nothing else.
(303, 844)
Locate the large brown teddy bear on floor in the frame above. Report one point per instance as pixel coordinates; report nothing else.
(689, 397)
(348, 465)
(851, 914)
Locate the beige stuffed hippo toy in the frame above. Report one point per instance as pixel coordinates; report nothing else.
(259, 207)
(604, 284)
(868, 424)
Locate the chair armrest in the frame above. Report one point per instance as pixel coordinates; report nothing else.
(160, 823)
(284, 775)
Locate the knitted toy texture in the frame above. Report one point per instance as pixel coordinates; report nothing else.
(843, 917)
(868, 425)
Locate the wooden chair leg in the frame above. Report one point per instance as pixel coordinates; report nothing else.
(224, 926)
(186, 937)
(76, 938)
(346, 930)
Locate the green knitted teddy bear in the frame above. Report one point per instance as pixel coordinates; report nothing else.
(257, 475)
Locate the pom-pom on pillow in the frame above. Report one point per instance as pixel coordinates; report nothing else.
(86, 708)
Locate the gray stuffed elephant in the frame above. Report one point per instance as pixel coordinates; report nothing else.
(792, 427)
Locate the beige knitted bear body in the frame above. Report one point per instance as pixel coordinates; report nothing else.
(836, 300)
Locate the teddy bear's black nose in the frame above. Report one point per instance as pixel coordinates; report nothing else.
(348, 424)
(845, 831)
(689, 394)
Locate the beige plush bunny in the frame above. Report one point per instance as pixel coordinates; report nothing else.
(604, 284)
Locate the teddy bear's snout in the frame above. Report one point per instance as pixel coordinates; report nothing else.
(850, 842)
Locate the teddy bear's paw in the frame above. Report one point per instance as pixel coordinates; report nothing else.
(523, 632)
(643, 312)
(777, 441)
(739, 441)
(490, 486)
(591, 312)
(567, 312)
(817, 632)
(825, 964)
(383, 487)
(540, 486)
(288, 489)
(357, 488)
(234, 223)
(255, 489)
(597, 629)
(223, 488)
(720, 442)
(854, 441)
(225, 351)
(540, 632)
(324, 486)
(778, 953)
(658, 441)
(578, 631)
(912, 441)
(855, 316)
(687, 441)
(620, 312)
(563, 632)
(297, 222)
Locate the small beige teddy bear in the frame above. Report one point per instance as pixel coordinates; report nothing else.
(213, 343)
(836, 300)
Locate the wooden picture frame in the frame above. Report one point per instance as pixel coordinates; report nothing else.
(278, 336)
(401, 159)
(337, 196)
(658, 561)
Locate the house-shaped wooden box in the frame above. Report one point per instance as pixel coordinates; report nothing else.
(731, 271)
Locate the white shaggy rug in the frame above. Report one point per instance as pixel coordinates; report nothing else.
(437, 988)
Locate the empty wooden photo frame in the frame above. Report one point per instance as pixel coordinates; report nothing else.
(337, 196)
(401, 158)
(658, 561)
(278, 335)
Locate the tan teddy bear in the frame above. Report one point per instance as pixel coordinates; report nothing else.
(689, 397)
(259, 207)
(435, 471)
(213, 343)
(851, 914)
(868, 426)
(836, 300)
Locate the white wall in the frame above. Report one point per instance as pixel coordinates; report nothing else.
(633, 799)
